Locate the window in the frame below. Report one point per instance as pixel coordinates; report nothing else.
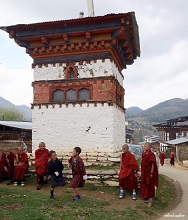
(58, 95)
(84, 94)
(70, 95)
(71, 73)
(118, 99)
(167, 137)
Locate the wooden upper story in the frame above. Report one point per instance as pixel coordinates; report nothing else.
(113, 36)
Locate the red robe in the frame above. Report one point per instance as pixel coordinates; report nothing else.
(148, 184)
(127, 179)
(172, 157)
(162, 157)
(78, 171)
(41, 161)
(19, 171)
(7, 161)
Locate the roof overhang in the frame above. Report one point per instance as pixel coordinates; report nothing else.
(113, 36)
(17, 124)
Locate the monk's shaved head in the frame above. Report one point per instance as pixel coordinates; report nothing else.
(125, 148)
(147, 146)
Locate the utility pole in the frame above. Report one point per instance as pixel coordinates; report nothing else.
(90, 6)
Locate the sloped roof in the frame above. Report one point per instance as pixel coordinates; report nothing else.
(178, 141)
(17, 124)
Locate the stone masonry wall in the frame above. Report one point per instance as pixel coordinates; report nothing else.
(183, 151)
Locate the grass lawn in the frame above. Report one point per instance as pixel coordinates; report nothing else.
(98, 202)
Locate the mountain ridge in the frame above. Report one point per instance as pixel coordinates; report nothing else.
(168, 109)
(23, 109)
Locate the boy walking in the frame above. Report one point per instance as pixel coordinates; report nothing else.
(78, 171)
(128, 172)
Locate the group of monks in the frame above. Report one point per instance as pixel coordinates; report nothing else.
(129, 172)
(13, 166)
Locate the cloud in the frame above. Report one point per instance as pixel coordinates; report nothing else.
(16, 85)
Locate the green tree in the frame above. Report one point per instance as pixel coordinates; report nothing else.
(10, 115)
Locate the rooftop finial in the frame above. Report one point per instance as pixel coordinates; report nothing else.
(90, 6)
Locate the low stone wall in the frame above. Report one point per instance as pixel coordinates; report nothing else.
(11, 145)
(107, 177)
(92, 159)
(183, 151)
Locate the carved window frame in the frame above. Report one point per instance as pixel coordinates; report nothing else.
(68, 72)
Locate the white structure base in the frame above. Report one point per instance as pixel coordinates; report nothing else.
(98, 128)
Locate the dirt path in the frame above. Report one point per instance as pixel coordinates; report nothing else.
(178, 175)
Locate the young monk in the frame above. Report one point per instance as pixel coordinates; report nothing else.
(7, 166)
(162, 157)
(21, 164)
(78, 171)
(149, 174)
(55, 168)
(41, 164)
(172, 158)
(128, 172)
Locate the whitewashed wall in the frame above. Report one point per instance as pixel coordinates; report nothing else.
(85, 70)
(94, 129)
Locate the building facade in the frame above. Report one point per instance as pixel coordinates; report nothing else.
(78, 94)
(172, 129)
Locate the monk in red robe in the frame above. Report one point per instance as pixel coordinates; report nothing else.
(149, 174)
(78, 172)
(172, 158)
(128, 172)
(41, 164)
(21, 165)
(162, 157)
(7, 166)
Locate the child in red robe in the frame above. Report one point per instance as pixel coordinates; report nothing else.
(162, 157)
(128, 172)
(7, 166)
(21, 165)
(78, 171)
(149, 174)
(41, 164)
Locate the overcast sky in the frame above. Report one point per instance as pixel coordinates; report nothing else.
(161, 73)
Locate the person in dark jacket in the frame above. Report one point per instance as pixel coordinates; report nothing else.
(55, 168)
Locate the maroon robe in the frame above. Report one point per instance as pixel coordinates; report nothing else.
(162, 157)
(41, 161)
(172, 157)
(127, 179)
(148, 184)
(8, 162)
(19, 171)
(78, 171)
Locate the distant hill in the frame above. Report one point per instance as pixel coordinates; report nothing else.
(142, 120)
(25, 110)
(5, 103)
(165, 110)
(133, 111)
